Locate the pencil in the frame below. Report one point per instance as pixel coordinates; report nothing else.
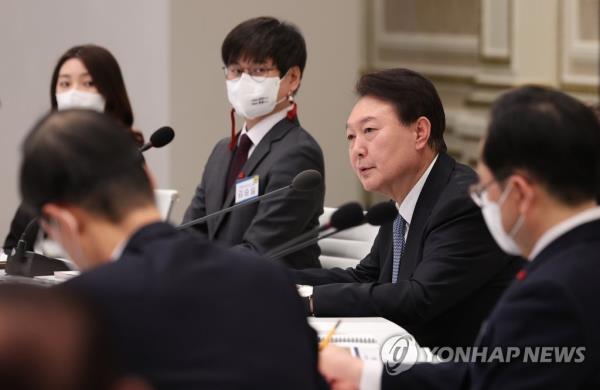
(327, 338)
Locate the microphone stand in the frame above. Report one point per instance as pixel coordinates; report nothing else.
(301, 245)
(231, 208)
(29, 264)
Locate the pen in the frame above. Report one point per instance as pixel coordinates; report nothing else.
(327, 338)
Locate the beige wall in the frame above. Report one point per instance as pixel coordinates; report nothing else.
(199, 107)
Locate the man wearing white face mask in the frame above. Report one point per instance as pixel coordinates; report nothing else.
(263, 63)
(538, 174)
(492, 216)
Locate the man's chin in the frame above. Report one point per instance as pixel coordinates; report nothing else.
(369, 186)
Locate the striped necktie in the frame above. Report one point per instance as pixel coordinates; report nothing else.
(399, 229)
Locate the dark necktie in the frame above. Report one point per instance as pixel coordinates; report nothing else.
(239, 159)
(399, 228)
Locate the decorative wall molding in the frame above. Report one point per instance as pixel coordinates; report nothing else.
(495, 30)
(579, 57)
(464, 49)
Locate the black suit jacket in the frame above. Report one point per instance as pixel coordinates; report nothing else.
(554, 303)
(188, 314)
(286, 150)
(451, 272)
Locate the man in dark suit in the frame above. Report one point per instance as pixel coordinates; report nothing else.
(538, 173)
(264, 60)
(185, 313)
(435, 270)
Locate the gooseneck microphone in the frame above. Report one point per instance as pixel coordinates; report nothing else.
(306, 180)
(30, 264)
(377, 215)
(22, 243)
(159, 138)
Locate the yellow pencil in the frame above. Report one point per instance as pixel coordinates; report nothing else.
(327, 338)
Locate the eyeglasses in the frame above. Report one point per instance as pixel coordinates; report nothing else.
(478, 192)
(257, 73)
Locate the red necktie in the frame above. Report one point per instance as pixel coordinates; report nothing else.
(239, 159)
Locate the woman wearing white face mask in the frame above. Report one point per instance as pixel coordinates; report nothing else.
(263, 60)
(86, 76)
(75, 88)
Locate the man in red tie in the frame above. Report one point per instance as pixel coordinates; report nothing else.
(264, 60)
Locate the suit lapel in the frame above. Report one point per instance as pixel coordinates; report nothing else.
(437, 180)
(386, 253)
(278, 131)
(219, 178)
(216, 183)
(263, 148)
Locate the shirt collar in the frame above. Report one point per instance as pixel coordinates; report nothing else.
(118, 250)
(563, 227)
(407, 208)
(259, 130)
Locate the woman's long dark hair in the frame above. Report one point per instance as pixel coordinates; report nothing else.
(106, 73)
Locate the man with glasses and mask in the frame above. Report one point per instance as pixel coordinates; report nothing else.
(264, 60)
(538, 178)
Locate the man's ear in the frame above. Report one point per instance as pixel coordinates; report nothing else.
(422, 132)
(526, 192)
(66, 218)
(295, 76)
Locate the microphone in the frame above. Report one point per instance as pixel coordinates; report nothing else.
(306, 180)
(25, 263)
(346, 216)
(377, 215)
(381, 213)
(159, 138)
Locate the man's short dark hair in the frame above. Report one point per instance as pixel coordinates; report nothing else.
(412, 95)
(549, 135)
(83, 158)
(259, 39)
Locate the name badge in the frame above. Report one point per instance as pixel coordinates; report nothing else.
(246, 189)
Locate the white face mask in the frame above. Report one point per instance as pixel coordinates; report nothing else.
(251, 98)
(79, 99)
(493, 220)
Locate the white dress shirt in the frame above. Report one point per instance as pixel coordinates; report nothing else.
(563, 227)
(407, 208)
(258, 132)
(118, 249)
